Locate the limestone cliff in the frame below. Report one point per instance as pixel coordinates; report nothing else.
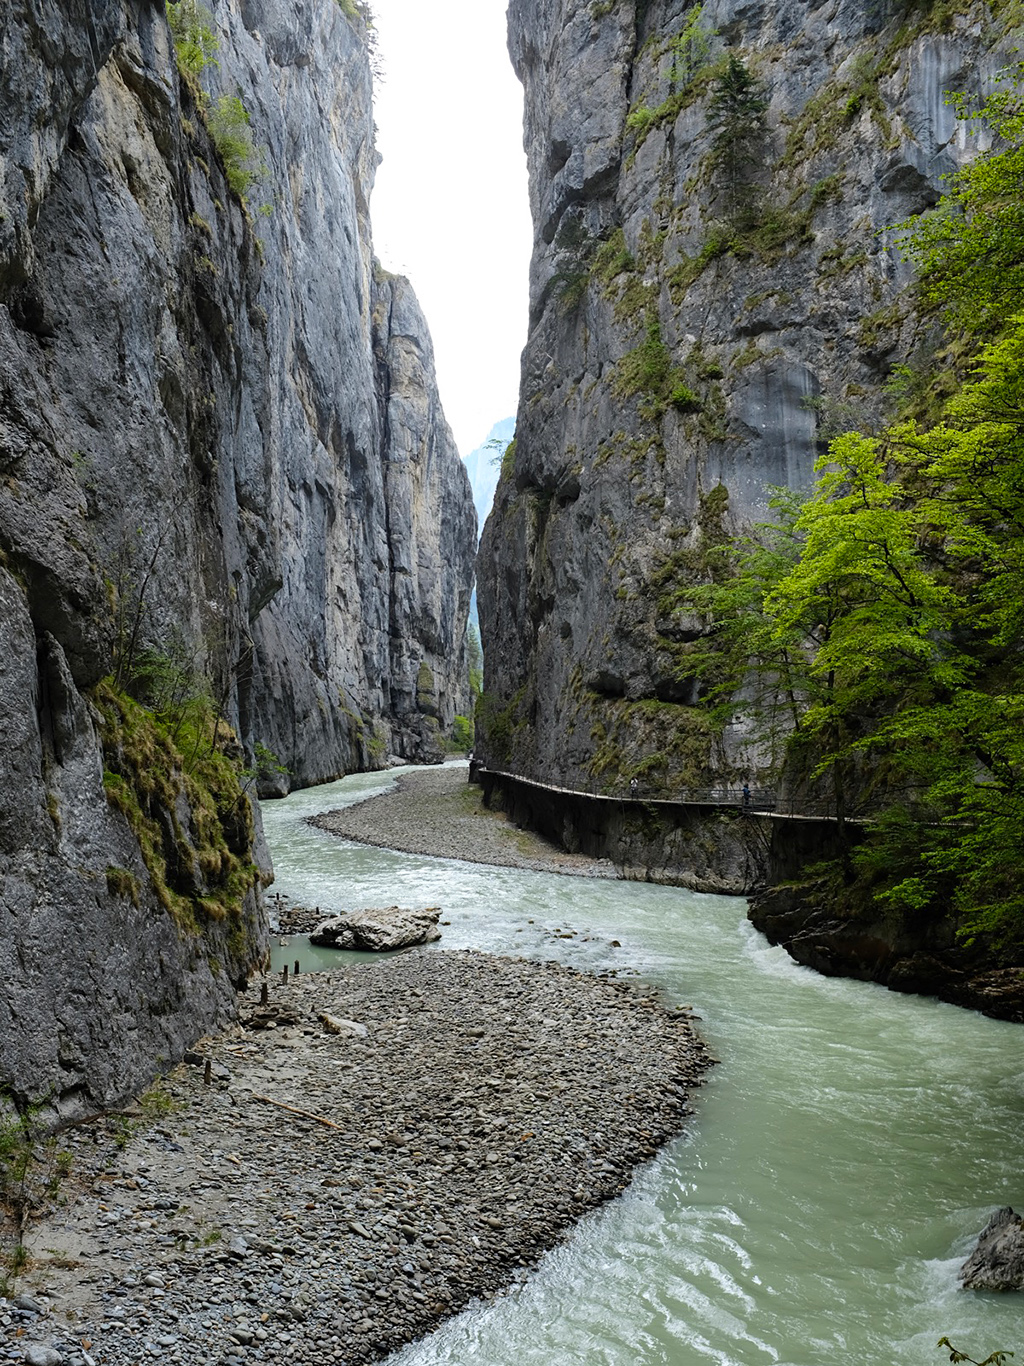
(686, 353)
(222, 460)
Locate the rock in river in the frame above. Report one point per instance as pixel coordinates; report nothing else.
(390, 927)
(997, 1263)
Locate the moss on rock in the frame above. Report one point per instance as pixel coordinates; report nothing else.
(182, 796)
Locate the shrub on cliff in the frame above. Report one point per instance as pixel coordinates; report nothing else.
(229, 126)
(195, 41)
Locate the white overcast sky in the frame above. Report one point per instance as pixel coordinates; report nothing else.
(450, 207)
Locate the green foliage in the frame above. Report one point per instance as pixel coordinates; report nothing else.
(737, 111)
(646, 368)
(498, 725)
(156, 1102)
(508, 460)
(691, 48)
(691, 74)
(572, 288)
(724, 581)
(195, 40)
(462, 734)
(356, 11)
(158, 767)
(842, 100)
(718, 243)
(681, 396)
(970, 249)
(758, 229)
(228, 122)
(576, 246)
(264, 767)
(612, 258)
(121, 882)
(665, 745)
(648, 371)
(860, 593)
(901, 613)
(33, 1168)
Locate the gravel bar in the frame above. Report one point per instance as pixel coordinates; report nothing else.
(437, 811)
(339, 1187)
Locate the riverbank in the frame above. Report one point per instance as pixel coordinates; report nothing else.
(436, 811)
(342, 1185)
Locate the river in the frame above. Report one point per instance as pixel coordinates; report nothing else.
(842, 1159)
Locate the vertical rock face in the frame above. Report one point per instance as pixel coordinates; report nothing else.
(220, 443)
(362, 492)
(687, 353)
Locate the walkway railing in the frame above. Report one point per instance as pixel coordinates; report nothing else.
(759, 801)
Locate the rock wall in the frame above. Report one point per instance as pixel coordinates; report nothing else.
(724, 851)
(817, 926)
(220, 441)
(369, 525)
(683, 355)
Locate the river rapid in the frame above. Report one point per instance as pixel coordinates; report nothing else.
(842, 1160)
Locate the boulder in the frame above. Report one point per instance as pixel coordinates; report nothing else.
(997, 1263)
(334, 1025)
(390, 927)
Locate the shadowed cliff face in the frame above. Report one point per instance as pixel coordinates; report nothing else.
(697, 334)
(220, 438)
(368, 513)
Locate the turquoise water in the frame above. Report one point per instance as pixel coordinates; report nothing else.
(842, 1160)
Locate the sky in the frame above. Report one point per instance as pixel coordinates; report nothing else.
(450, 207)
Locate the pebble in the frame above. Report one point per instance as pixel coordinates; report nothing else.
(36, 1354)
(493, 1101)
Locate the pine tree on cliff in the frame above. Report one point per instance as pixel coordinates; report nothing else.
(737, 111)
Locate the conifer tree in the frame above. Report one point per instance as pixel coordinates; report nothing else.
(737, 111)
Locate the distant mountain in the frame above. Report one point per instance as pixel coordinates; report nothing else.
(483, 466)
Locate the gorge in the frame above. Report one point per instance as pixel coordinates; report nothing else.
(236, 540)
(236, 561)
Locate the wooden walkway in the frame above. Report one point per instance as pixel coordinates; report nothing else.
(752, 801)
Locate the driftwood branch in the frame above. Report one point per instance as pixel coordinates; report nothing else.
(306, 1114)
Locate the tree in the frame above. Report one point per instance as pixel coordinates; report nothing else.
(692, 47)
(745, 666)
(963, 747)
(970, 249)
(195, 38)
(889, 609)
(737, 110)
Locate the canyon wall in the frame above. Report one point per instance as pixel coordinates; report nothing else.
(222, 460)
(697, 334)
